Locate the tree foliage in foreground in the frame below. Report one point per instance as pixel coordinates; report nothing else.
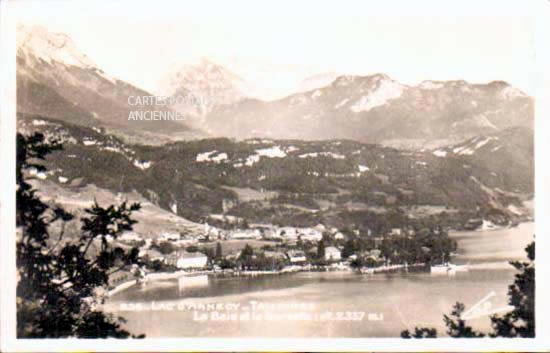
(59, 278)
(519, 322)
(420, 332)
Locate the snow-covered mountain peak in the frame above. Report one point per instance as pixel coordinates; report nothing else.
(204, 75)
(200, 87)
(383, 88)
(50, 47)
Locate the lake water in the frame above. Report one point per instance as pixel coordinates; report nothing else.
(327, 304)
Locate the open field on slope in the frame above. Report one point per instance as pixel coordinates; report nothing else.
(152, 220)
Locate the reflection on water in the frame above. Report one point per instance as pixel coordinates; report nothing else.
(186, 283)
(402, 300)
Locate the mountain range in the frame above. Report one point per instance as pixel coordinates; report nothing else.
(378, 109)
(56, 80)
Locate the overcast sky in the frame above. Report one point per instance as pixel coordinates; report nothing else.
(277, 45)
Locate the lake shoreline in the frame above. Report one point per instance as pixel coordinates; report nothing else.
(160, 276)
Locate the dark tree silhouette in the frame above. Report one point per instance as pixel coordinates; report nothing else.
(321, 250)
(420, 333)
(167, 247)
(246, 257)
(219, 253)
(58, 278)
(519, 322)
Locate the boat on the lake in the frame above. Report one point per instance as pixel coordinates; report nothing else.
(448, 269)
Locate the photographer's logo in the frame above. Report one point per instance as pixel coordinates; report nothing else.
(484, 307)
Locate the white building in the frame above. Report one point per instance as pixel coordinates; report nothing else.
(332, 254)
(246, 234)
(183, 259)
(396, 231)
(310, 234)
(296, 256)
(292, 233)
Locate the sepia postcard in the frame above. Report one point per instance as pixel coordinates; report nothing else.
(274, 176)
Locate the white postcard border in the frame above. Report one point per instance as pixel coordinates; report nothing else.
(541, 11)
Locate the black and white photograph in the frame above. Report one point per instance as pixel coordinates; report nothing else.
(271, 170)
